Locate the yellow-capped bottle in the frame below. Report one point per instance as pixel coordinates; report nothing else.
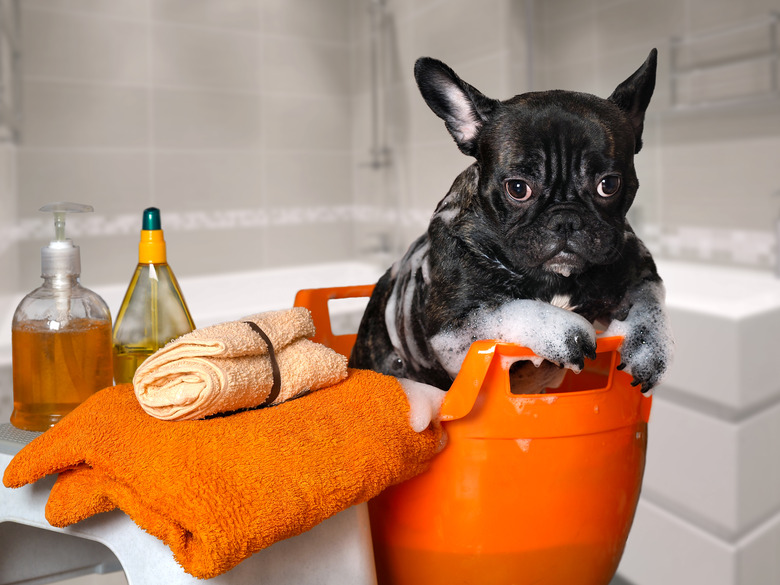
(153, 311)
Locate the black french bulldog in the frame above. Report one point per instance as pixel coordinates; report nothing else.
(531, 245)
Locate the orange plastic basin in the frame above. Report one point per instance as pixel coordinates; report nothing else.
(535, 489)
(530, 489)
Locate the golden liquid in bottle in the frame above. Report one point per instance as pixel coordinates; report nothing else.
(126, 362)
(152, 313)
(55, 371)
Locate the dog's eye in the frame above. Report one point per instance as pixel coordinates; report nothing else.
(518, 190)
(609, 185)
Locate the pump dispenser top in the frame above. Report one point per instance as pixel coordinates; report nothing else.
(61, 335)
(61, 257)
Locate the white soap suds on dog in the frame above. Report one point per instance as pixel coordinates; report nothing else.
(545, 329)
(424, 403)
(403, 292)
(507, 361)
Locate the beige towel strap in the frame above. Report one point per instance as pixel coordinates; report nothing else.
(277, 385)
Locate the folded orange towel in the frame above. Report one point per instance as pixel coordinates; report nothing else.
(226, 367)
(218, 490)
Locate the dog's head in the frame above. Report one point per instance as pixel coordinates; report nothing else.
(556, 168)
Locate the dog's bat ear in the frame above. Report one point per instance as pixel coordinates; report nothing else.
(633, 95)
(463, 108)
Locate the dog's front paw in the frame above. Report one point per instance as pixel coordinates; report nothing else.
(563, 338)
(648, 344)
(646, 356)
(557, 335)
(554, 334)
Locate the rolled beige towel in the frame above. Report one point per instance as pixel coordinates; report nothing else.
(226, 367)
(235, 338)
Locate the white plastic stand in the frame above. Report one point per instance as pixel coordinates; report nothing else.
(337, 551)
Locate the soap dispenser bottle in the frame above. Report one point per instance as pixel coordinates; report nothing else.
(153, 311)
(61, 336)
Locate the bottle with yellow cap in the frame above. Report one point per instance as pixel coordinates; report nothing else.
(153, 311)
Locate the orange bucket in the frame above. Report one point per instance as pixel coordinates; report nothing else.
(535, 489)
(530, 489)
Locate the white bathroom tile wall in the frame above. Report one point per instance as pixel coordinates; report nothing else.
(564, 11)
(306, 19)
(326, 64)
(8, 203)
(77, 115)
(567, 43)
(730, 82)
(78, 46)
(133, 9)
(695, 153)
(307, 122)
(520, 46)
(708, 15)
(722, 43)
(487, 30)
(233, 14)
(112, 181)
(307, 178)
(638, 24)
(206, 120)
(209, 179)
(192, 57)
(197, 251)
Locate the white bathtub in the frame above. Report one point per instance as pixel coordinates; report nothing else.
(224, 297)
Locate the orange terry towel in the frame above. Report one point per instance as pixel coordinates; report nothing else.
(218, 490)
(227, 367)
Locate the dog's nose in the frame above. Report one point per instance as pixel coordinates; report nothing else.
(565, 222)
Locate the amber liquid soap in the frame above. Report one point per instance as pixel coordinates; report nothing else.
(55, 371)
